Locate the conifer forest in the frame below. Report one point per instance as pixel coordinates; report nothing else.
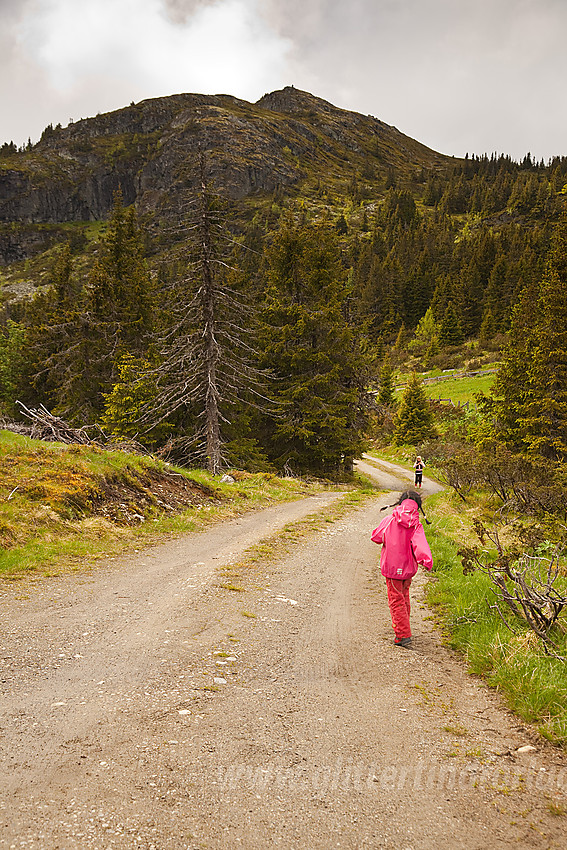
(287, 327)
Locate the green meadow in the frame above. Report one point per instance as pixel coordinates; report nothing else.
(459, 389)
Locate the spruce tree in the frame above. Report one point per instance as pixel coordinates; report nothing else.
(386, 392)
(529, 400)
(120, 289)
(487, 328)
(506, 406)
(427, 329)
(76, 337)
(450, 331)
(414, 421)
(545, 419)
(52, 318)
(80, 351)
(12, 359)
(313, 354)
(495, 292)
(134, 389)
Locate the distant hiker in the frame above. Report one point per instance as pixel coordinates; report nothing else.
(404, 547)
(418, 466)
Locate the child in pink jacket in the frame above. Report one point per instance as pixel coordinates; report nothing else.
(404, 547)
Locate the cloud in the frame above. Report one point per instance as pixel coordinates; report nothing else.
(456, 75)
(141, 42)
(101, 54)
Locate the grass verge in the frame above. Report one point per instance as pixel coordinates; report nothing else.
(533, 683)
(63, 507)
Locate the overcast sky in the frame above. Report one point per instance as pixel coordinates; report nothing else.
(458, 75)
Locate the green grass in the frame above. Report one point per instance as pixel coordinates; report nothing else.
(533, 683)
(402, 455)
(65, 506)
(460, 390)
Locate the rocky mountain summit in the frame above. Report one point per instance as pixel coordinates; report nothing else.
(149, 151)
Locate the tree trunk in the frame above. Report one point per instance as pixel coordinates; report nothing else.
(207, 295)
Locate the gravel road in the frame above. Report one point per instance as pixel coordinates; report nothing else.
(149, 704)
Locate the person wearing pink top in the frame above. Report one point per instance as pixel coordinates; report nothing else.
(404, 548)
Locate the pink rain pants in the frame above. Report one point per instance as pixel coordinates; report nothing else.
(399, 602)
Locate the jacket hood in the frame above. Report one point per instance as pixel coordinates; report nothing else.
(407, 514)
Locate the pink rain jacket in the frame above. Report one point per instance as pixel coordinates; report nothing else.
(404, 543)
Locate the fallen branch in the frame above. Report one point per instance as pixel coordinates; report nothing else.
(47, 426)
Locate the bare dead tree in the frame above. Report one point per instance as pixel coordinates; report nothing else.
(207, 360)
(211, 349)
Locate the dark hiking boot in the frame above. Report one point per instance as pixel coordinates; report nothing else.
(403, 641)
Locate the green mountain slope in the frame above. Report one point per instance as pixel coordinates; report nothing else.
(287, 141)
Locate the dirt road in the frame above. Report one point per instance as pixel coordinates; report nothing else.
(151, 705)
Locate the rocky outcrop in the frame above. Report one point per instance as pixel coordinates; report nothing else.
(20, 242)
(150, 151)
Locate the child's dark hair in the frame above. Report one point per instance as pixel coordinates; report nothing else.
(409, 494)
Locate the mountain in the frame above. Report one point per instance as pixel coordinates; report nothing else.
(286, 141)
(416, 228)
